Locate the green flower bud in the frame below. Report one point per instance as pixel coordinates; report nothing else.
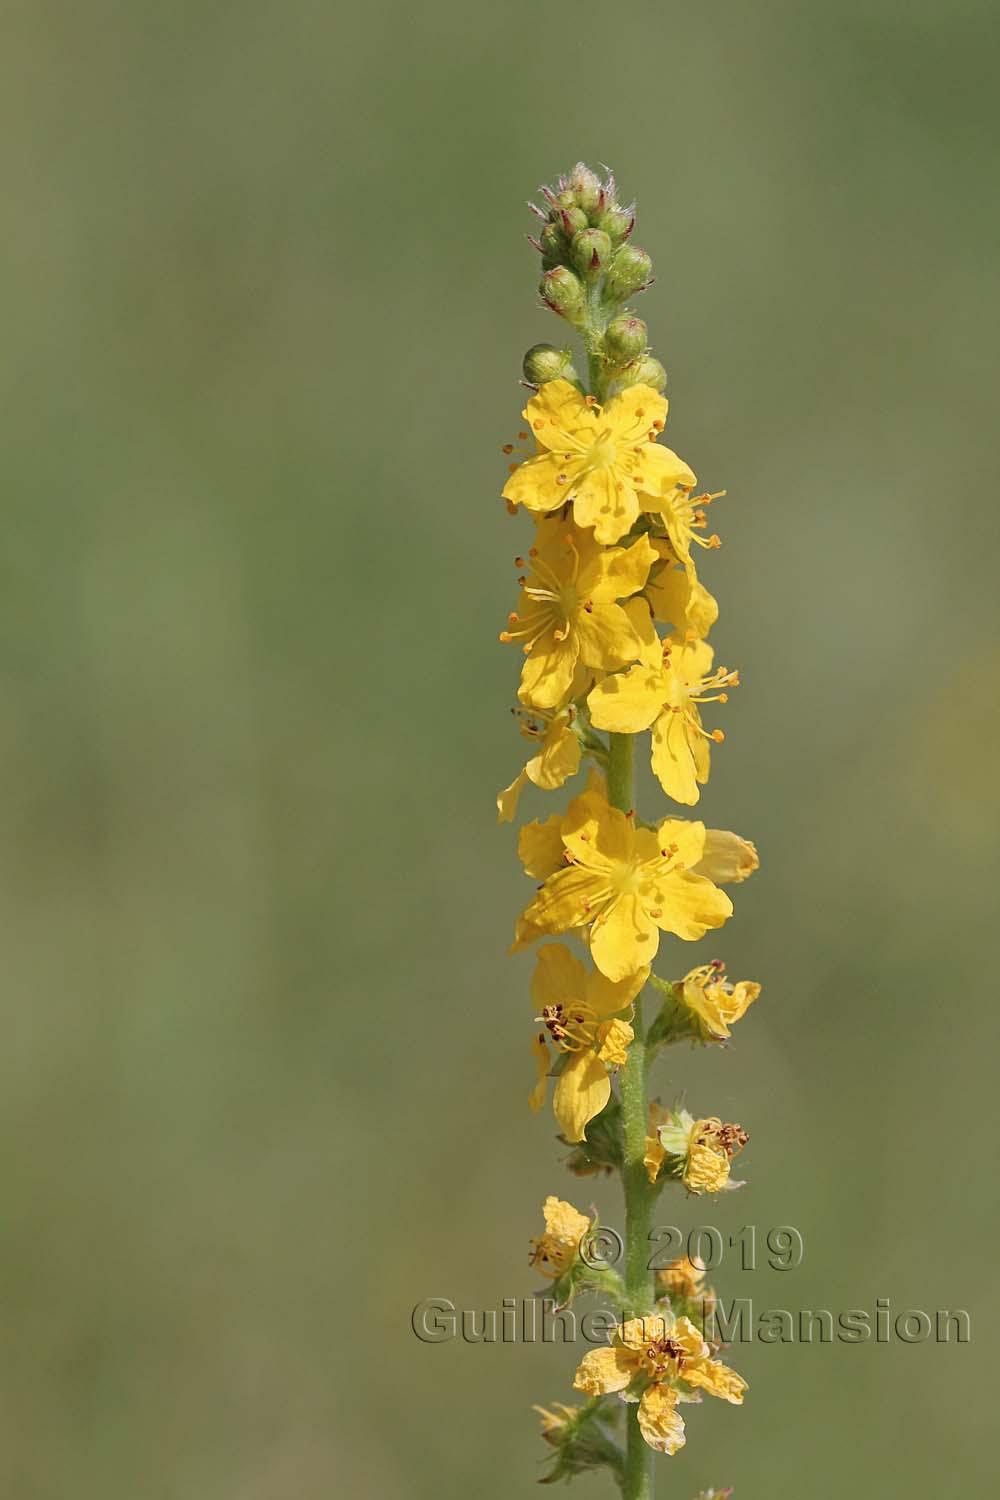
(616, 222)
(587, 187)
(629, 271)
(626, 337)
(591, 251)
(545, 362)
(649, 371)
(566, 198)
(561, 290)
(553, 243)
(572, 220)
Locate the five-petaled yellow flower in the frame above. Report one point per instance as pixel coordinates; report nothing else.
(568, 618)
(683, 517)
(555, 1251)
(677, 595)
(715, 1000)
(581, 1014)
(602, 458)
(660, 1361)
(626, 884)
(667, 698)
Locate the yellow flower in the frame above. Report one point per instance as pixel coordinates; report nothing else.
(554, 1251)
(683, 517)
(668, 698)
(682, 1278)
(557, 759)
(568, 619)
(705, 1147)
(678, 597)
(728, 859)
(580, 1013)
(626, 884)
(666, 1359)
(716, 1001)
(600, 458)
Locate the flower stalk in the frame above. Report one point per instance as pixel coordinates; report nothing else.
(612, 621)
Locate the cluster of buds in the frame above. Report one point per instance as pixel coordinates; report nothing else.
(589, 271)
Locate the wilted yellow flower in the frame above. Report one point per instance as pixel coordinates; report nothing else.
(556, 760)
(554, 1251)
(599, 457)
(683, 1277)
(667, 698)
(554, 1423)
(666, 1359)
(580, 1013)
(568, 619)
(706, 1148)
(728, 859)
(626, 884)
(677, 595)
(716, 1001)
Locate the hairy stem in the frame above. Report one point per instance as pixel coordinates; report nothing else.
(638, 1479)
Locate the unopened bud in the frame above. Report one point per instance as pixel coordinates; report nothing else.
(553, 243)
(629, 271)
(626, 337)
(545, 362)
(616, 222)
(591, 251)
(572, 220)
(587, 187)
(649, 371)
(561, 290)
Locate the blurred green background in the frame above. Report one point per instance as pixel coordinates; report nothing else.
(265, 294)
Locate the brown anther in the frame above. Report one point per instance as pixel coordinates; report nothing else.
(640, 412)
(523, 437)
(513, 468)
(512, 618)
(519, 562)
(589, 607)
(522, 580)
(533, 552)
(511, 507)
(507, 448)
(723, 698)
(539, 422)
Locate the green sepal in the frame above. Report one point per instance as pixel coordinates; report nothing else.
(581, 1442)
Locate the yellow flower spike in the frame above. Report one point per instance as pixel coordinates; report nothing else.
(716, 1001)
(601, 458)
(667, 698)
(728, 859)
(669, 1360)
(557, 760)
(581, 1014)
(568, 617)
(627, 884)
(553, 1252)
(677, 595)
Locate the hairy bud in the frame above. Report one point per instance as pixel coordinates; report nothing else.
(561, 290)
(629, 271)
(626, 337)
(591, 251)
(545, 362)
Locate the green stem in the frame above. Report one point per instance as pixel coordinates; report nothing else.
(638, 1479)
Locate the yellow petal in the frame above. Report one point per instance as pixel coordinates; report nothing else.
(628, 702)
(558, 759)
(605, 637)
(540, 1052)
(540, 847)
(564, 900)
(648, 1330)
(632, 414)
(716, 1378)
(582, 1090)
(624, 939)
(596, 833)
(672, 757)
(613, 1041)
(727, 859)
(686, 836)
(663, 470)
(559, 977)
(689, 905)
(507, 800)
(536, 485)
(558, 411)
(548, 670)
(641, 621)
(605, 500)
(621, 571)
(606, 998)
(605, 1370)
(660, 1423)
